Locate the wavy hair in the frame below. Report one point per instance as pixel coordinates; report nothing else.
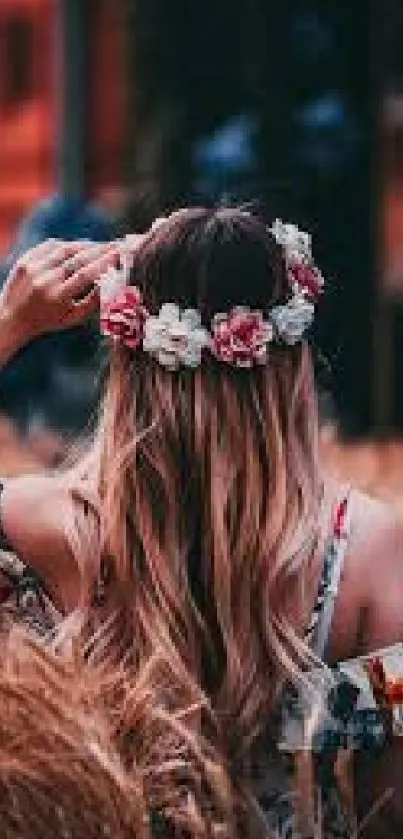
(89, 751)
(211, 493)
(211, 506)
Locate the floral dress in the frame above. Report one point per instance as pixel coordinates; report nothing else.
(360, 707)
(23, 596)
(364, 705)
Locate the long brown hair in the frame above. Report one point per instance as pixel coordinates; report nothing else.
(209, 479)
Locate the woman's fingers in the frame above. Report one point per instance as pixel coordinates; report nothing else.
(59, 267)
(49, 266)
(65, 273)
(69, 255)
(52, 287)
(42, 255)
(39, 252)
(78, 283)
(81, 259)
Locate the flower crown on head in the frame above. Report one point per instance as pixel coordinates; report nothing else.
(176, 338)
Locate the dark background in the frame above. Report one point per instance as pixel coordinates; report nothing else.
(151, 104)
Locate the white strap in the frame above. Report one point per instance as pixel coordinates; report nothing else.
(339, 548)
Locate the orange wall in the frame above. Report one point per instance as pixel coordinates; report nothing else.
(106, 97)
(26, 108)
(28, 122)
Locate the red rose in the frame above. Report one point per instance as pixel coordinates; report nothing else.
(240, 338)
(123, 317)
(306, 277)
(340, 518)
(375, 666)
(394, 692)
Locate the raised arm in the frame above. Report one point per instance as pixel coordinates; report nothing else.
(52, 287)
(377, 583)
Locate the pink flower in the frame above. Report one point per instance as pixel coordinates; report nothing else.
(241, 337)
(123, 318)
(306, 277)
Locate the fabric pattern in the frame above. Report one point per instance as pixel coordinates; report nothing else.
(23, 597)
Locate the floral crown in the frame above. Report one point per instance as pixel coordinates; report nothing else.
(240, 337)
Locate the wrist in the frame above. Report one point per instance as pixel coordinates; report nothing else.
(10, 339)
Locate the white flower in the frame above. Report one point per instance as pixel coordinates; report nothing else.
(111, 282)
(157, 222)
(128, 247)
(175, 338)
(291, 320)
(297, 244)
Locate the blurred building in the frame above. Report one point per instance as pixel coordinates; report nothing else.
(62, 89)
(61, 103)
(27, 108)
(153, 103)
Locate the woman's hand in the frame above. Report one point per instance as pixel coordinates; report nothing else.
(52, 287)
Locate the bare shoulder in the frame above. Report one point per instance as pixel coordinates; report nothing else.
(371, 593)
(376, 541)
(34, 512)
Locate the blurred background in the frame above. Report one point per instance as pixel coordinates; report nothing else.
(113, 110)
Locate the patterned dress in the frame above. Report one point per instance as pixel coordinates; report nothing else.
(355, 717)
(350, 715)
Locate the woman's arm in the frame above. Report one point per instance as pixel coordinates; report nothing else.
(379, 779)
(35, 512)
(10, 343)
(52, 287)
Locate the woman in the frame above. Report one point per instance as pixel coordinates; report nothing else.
(202, 503)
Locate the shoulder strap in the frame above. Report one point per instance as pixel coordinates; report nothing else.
(323, 612)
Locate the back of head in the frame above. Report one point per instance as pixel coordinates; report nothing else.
(209, 476)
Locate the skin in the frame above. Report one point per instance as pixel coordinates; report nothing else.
(53, 287)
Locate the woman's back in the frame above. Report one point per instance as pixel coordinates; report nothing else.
(213, 514)
(346, 579)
